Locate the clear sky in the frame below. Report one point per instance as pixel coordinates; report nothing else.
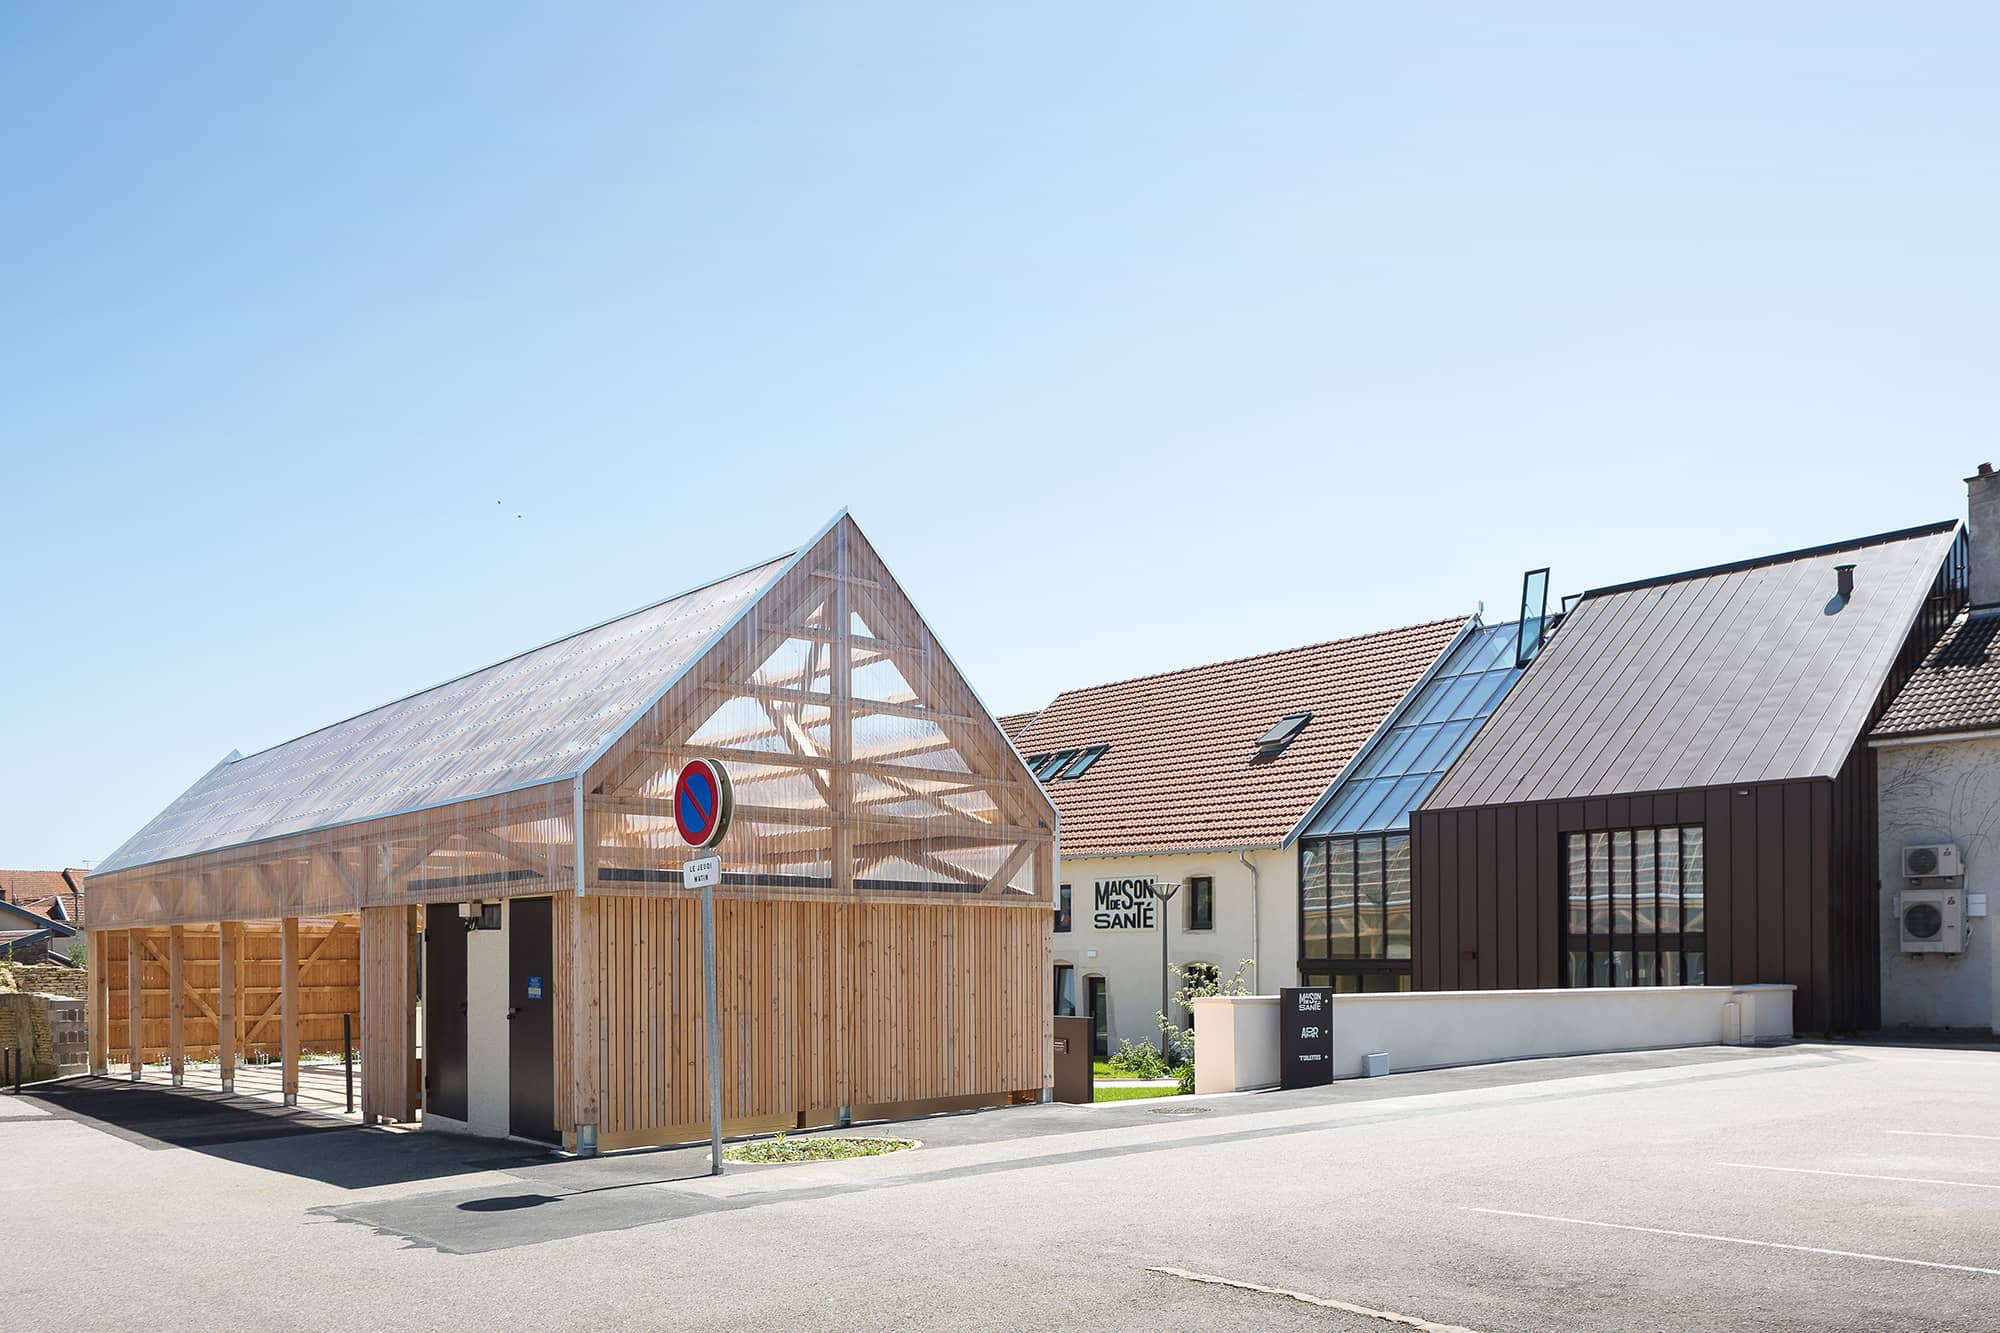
(346, 348)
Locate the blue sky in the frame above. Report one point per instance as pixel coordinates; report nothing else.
(345, 348)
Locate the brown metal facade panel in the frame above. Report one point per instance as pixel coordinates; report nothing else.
(1742, 674)
(1789, 888)
(1485, 906)
(1507, 962)
(1546, 922)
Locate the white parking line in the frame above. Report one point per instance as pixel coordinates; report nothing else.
(1741, 1240)
(1941, 1134)
(1862, 1175)
(1406, 1320)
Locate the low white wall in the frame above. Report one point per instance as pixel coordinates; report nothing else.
(1438, 1029)
(1236, 1043)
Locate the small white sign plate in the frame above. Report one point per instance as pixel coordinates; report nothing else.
(1975, 904)
(704, 872)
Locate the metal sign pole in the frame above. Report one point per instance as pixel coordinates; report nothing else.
(714, 1030)
(704, 803)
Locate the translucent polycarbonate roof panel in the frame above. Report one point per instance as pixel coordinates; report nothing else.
(1392, 776)
(531, 719)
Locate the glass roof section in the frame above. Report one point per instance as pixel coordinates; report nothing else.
(1393, 775)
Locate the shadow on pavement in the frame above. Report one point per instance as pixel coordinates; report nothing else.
(258, 1132)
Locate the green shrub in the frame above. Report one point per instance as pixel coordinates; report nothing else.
(1186, 1076)
(1135, 1061)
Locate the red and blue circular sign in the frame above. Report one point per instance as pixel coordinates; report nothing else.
(704, 801)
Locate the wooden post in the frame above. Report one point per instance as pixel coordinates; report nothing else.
(288, 994)
(135, 1002)
(177, 1003)
(586, 1050)
(388, 1015)
(227, 946)
(99, 1016)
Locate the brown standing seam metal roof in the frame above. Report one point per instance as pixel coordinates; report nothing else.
(1956, 689)
(1750, 672)
(1181, 772)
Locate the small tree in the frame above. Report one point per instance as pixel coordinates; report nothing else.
(1197, 981)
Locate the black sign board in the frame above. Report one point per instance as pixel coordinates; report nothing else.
(1305, 1036)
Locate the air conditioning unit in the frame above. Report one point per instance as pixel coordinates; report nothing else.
(1931, 920)
(1932, 861)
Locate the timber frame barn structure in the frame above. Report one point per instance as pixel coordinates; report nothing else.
(883, 925)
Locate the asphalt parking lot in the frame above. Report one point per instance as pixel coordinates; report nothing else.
(1851, 1186)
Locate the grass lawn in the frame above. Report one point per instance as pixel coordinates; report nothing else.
(1130, 1093)
(1102, 1070)
(782, 1149)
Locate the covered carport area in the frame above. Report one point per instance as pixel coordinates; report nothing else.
(228, 1007)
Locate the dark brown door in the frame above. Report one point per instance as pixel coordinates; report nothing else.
(444, 1011)
(531, 1027)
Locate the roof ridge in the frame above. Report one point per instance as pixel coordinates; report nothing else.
(1780, 558)
(1252, 657)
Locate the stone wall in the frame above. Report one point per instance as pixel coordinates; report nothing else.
(71, 983)
(24, 1023)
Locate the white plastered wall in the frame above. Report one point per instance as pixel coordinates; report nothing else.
(1948, 791)
(1129, 960)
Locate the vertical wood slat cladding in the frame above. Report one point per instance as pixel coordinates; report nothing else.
(386, 1031)
(822, 1005)
(329, 986)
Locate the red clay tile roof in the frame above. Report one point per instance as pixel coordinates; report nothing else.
(1956, 689)
(1181, 772)
(38, 891)
(1015, 723)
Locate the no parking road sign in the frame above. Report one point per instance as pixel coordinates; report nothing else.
(703, 803)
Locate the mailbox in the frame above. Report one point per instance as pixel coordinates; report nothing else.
(1075, 1078)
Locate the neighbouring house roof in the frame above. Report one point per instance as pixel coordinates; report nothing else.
(16, 919)
(535, 718)
(1956, 689)
(56, 894)
(1016, 723)
(1748, 672)
(1181, 769)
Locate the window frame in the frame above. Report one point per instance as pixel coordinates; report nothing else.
(1062, 968)
(1611, 951)
(1201, 889)
(1080, 765)
(1065, 910)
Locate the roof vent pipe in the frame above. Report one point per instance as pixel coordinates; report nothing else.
(1845, 574)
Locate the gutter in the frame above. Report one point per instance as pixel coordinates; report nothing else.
(1935, 738)
(1256, 921)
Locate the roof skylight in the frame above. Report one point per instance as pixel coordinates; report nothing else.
(1282, 733)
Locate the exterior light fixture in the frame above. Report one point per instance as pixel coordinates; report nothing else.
(1164, 891)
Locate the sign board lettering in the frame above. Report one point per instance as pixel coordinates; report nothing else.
(534, 988)
(702, 873)
(1124, 904)
(1305, 1036)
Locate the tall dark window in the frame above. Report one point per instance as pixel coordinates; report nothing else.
(1354, 896)
(1634, 907)
(1100, 1018)
(1063, 917)
(1201, 903)
(1065, 991)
